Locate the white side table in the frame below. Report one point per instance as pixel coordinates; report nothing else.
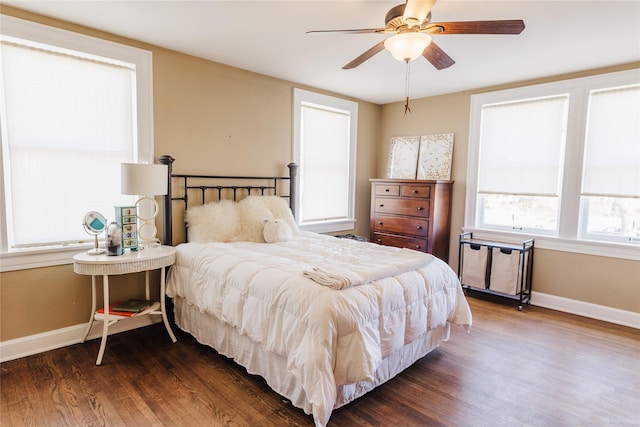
(131, 262)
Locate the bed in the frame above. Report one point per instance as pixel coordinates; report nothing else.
(323, 320)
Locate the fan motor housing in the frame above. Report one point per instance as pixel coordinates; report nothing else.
(394, 19)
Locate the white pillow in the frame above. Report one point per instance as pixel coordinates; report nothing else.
(276, 230)
(213, 222)
(255, 210)
(279, 207)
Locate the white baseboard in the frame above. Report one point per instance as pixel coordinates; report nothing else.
(581, 308)
(38, 343)
(33, 344)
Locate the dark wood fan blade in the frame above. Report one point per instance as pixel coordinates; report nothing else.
(514, 26)
(356, 31)
(368, 54)
(437, 56)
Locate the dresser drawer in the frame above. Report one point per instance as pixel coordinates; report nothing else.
(404, 225)
(387, 189)
(412, 213)
(419, 191)
(413, 207)
(400, 242)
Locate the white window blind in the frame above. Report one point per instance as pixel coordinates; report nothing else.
(559, 161)
(612, 157)
(324, 134)
(69, 122)
(325, 163)
(522, 146)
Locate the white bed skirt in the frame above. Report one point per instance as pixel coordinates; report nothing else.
(273, 367)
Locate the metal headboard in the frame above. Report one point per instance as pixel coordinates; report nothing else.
(219, 185)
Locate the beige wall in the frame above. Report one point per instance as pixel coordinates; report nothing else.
(44, 299)
(217, 119)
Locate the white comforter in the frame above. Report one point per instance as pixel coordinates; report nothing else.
(329, 337)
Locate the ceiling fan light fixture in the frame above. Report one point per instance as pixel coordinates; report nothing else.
(407, 46)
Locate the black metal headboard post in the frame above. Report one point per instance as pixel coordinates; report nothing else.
(167, 205)
(293, 187)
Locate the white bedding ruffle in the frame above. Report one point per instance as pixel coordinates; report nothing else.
(273, 368)
(329, 338)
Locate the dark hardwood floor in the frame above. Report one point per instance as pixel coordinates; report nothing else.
(532, 368)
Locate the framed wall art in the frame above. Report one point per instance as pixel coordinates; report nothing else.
(425, 157)
(435, 156)
(403, 157)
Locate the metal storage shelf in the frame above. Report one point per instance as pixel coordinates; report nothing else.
(508, 275)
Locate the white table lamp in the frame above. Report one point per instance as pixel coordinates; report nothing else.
(146, 181)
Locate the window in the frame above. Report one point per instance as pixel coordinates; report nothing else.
(74, 108)
(324, 148)
(559, 161)
(610, 195)
(520, 165)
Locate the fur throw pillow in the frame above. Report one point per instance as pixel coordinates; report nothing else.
(213, 222)
(228, 221)
(255, 210)
(251, 218)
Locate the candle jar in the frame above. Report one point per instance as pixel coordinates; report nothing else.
(114, 240)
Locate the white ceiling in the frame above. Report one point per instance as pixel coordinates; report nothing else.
(268, 37)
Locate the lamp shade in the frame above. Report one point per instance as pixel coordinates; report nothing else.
(407, 46)
(144, 179)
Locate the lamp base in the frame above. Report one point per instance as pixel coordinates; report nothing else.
(151, 244)
(147, 227)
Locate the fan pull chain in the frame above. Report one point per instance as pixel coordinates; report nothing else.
(406, 90)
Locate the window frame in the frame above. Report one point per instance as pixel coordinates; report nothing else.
(19, 259)
(301, 97)
(568, 238)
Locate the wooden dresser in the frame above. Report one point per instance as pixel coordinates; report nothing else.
(412, 214)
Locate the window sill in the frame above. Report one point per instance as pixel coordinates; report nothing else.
(38, 258)
(329, 226)
(612, 250)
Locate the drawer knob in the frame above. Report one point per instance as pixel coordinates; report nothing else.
(386, 190)
(418, 247)
(380, 223)
(381, 205)
(419, 227)
(379, 240)
(415, 191)
(420, 208)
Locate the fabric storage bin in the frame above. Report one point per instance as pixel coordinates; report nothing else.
(505, 271)
(474, 266)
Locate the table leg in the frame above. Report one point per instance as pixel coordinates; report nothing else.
(105, 324)
(163, 308)
(93, 308)
(146, 285)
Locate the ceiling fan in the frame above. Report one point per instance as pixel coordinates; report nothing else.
(411, 25)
